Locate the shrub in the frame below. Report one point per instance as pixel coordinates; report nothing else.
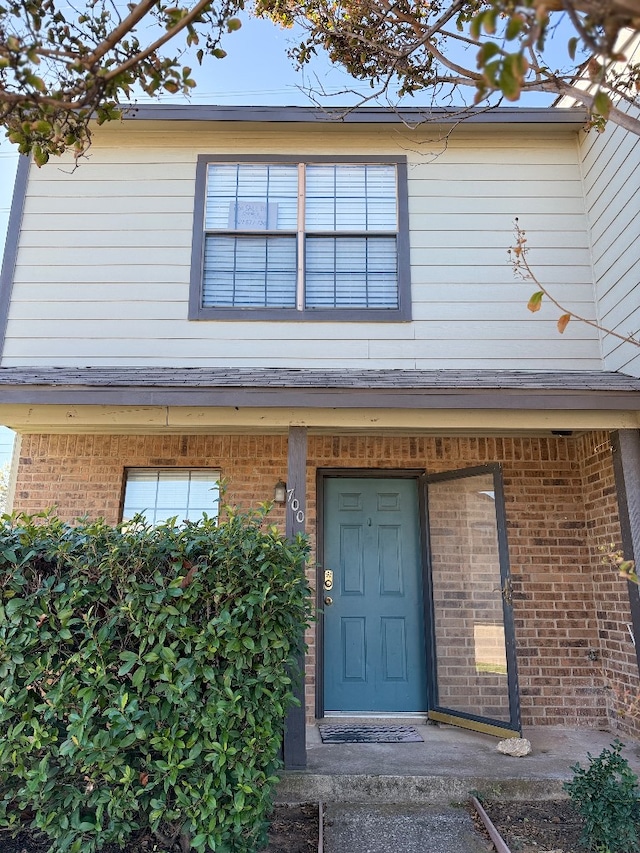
(144, 677)
(606, 796)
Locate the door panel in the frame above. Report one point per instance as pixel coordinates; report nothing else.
(374, 637)
(475, 684)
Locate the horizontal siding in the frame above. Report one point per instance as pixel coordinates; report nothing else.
(611, 174)
(514, 302)
(104, 259)
(491, 301)
(420, 331)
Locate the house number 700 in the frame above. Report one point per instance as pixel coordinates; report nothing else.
(294, 503)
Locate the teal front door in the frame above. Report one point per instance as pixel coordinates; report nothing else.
(373, 603)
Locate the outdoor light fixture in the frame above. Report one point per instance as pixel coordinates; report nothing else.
(280, 492)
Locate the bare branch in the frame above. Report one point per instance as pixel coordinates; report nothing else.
(522, 269)
(126, 26)
(193, 15)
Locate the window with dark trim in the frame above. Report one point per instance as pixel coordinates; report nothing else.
(159, 494)
(288, 238)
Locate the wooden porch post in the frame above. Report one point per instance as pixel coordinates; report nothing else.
(295, 746)
(626, 465)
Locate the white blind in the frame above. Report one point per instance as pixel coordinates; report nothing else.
(250, 272)
(233, 191)
(351, 272)
(245, 269)
(351, 198)
(161, 494)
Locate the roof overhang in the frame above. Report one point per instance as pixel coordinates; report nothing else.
(573, 117)
(349, 388)
(180, 399)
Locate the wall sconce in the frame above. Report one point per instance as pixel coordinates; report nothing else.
(280, 492)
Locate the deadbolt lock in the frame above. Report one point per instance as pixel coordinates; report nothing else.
(328, 579)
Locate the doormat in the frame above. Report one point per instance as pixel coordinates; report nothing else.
(369, 734)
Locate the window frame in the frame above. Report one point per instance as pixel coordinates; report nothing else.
(340, 314)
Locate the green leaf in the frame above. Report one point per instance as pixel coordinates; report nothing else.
(127, 667)
(535, 302)
(572, 45)
(40, 155)
(489, 21)
(488, 50)
(139, 676)
(509, 84)
(602, 104)
(475, 27)
(14, 605)
(514, 27)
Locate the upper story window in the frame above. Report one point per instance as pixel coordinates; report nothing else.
(285, 239)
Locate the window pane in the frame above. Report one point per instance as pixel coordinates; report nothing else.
(251, 197)
(256, 272)
(469, 624)
(173, 490)
(162, 494)
(355, 272)
(351, 198)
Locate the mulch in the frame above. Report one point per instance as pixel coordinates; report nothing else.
(292, 829)
(552, 826)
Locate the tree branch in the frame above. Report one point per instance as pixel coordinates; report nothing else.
(521, 268)
(197, 10)
(115, 37)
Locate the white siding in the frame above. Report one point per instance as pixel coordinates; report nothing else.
(103, 267)
(611, 173)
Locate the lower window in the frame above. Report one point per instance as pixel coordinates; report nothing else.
(160, 494)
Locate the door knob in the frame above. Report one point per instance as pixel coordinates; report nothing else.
(328, 600)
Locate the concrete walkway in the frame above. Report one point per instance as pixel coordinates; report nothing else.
(362, 828)
(449, 764)
(407, 797)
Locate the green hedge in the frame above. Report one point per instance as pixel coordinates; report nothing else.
(145, 673)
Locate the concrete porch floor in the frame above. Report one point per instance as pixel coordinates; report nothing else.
(446, 767)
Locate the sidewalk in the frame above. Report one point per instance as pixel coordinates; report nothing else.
(363, 828)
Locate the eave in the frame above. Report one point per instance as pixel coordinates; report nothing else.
(201, 399)
(574, 117)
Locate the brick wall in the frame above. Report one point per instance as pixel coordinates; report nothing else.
(613, 618)
(85, 473)
(554, 606)
(560, 503)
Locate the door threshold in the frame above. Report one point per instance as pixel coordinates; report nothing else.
(374, 716)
